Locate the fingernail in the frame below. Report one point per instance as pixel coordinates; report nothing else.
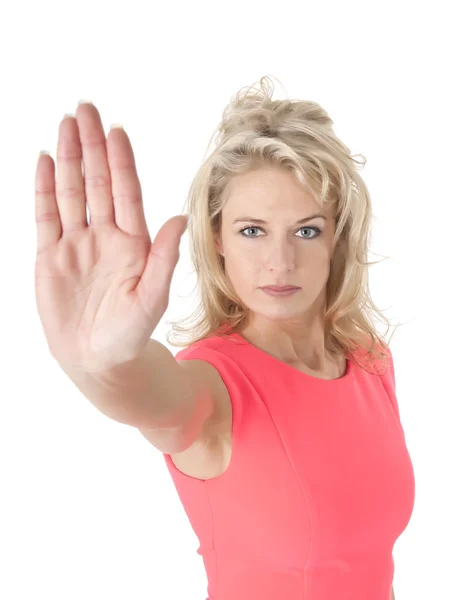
(114, 125)
(85, 102)
(44, 153)
(69, 115)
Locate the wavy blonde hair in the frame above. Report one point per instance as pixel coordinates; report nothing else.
(297, 135)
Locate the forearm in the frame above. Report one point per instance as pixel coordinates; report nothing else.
(147, 392)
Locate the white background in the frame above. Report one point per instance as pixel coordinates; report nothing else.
(87, 506)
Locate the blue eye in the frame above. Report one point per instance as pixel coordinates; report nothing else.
(316, 230)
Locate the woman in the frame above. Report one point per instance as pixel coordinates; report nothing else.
(278, 419)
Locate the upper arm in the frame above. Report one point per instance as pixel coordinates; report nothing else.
(204, 417)
(212, 402)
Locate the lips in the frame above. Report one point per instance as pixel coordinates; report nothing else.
(275, 288)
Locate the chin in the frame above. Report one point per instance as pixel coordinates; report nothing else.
(278, 312)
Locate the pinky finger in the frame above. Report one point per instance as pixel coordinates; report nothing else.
(47, 217)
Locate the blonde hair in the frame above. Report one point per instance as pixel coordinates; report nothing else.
(297, 135)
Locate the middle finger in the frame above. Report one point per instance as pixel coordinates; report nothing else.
(97, 175)
(70, 193)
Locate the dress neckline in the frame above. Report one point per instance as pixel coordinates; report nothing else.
(285, 366)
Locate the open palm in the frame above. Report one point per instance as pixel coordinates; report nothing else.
(101, 286)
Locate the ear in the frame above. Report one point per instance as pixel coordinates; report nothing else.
(218, 244)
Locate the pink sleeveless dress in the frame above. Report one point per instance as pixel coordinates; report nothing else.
(319, 487)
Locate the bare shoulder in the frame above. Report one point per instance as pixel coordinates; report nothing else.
(208, 455)
(206, 380)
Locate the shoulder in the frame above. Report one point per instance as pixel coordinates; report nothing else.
(215, 365)
(210, 373)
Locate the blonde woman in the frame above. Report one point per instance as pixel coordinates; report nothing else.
(278, 418)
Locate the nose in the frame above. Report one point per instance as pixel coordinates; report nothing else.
(281, 256)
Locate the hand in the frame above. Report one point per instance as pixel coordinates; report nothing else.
(101, 287)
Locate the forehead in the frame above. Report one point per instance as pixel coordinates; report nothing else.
(268, 192)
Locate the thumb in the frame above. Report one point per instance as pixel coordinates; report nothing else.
(154, 285)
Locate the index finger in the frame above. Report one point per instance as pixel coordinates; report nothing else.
(127, 193)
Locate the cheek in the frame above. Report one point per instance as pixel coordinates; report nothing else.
(242, 254)
(242, 272)
(318, 255)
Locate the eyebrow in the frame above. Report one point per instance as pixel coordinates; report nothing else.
(240, 219)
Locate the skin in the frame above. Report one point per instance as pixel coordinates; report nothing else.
(280, 252)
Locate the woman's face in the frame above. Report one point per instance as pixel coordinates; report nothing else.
(268, 238)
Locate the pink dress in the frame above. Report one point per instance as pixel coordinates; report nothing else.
(319, 487)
